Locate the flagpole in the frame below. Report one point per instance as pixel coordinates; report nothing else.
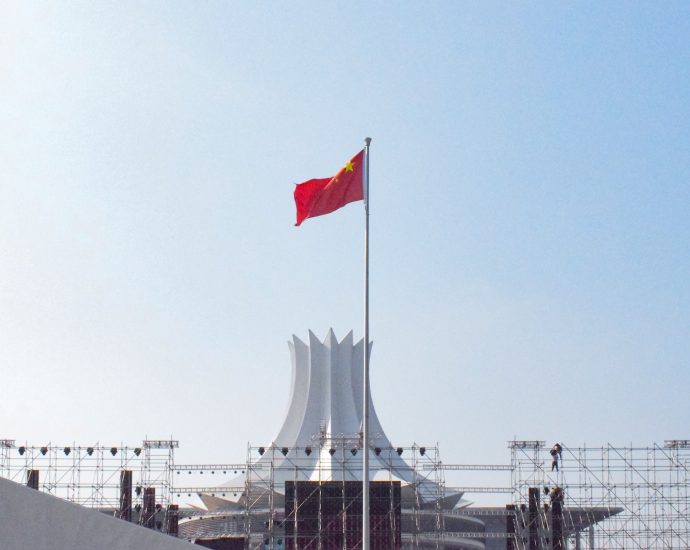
(365, 407)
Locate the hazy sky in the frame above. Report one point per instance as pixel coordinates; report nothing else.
(530, 225)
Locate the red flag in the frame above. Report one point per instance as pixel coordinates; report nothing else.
(323, 196)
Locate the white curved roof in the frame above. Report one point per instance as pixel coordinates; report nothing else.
(325, 414)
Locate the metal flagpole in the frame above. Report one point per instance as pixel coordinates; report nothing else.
(365, 407)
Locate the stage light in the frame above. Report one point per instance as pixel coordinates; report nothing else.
(353, 451)
(67, 451)
(137, 490)
(137, 507)
(137, 451)
(307, 451)
(22, 450)
(201, 472)
(44, 451)
(284, 450)
(262, 450)
(331, 451)
(377, 451)
(422, 450)
(89, 451)
(113, 451)
(399, 450)
(158, 506)
(546, 490)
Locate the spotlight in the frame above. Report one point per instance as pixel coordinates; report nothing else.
(137, 451)
(22, 450)
(262, 450)
(422, 450)
(353, 451)
(399, 450)
(137, 490)
(546, 490)
(89, 451)
(158, 506)
(137, 507)
(307, 451)
(67, 451)
(113, 451)
(44, 451)
(377, 451)
(331, 451)
(284, 450)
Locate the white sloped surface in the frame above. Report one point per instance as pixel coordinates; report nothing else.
(31, 520)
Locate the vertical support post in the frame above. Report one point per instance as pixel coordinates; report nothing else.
(365, 406)
(591, 537)
(533, 511)
(172, 520)
(149, 511)
(510, 527)
(32, 479)
(557, 524)
(125, 509)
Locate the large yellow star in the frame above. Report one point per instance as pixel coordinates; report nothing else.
(349, 166)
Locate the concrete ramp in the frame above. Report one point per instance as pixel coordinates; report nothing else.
(31, 520)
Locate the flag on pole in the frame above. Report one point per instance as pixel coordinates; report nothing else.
(322, 196)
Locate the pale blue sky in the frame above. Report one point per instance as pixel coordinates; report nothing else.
(530, 231)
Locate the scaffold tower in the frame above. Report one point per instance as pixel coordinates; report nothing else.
(613, 497)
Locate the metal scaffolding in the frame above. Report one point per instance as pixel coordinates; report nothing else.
(260, 514)
(583, 498)
(612, 497)
(90, 475)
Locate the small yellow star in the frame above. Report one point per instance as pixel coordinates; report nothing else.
(349, 166)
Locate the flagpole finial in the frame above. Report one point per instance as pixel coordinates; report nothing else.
(367, 141)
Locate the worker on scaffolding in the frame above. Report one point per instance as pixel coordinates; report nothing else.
(556, 494)
(556, 455)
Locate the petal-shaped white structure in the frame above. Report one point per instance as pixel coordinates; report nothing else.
(324, 415)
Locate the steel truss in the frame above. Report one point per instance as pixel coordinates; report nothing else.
(638, 497)
(89, 475)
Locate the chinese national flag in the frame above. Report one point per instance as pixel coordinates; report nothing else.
(323, 196)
